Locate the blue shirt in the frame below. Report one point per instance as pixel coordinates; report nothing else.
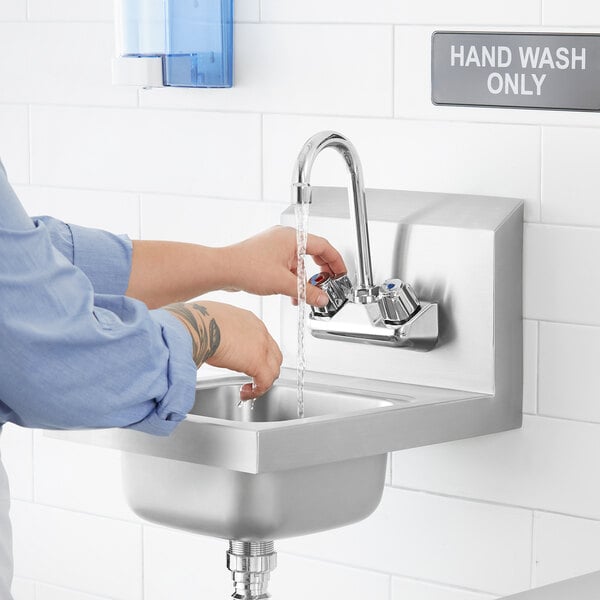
(74, 351)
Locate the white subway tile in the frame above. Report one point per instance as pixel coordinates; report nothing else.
(23, 589)
(298, 578)
(184, 566)
(50, 592)
(111, 211)
(546, 465)
(79, 477)
(569, 375)
(17, 457)
(71, 10)
(464, 12)
(418, 535)
(64, 64)
(210, 154)
(14, 142)
(530, 366)
(206, 221)
(13, 10)
(570, 177)
(340, 71)
(564, 547)
(413, 86)
(579, 13)
(494, 160)
(559, 279)
(407, 589)
(247, 10)
(80, 552)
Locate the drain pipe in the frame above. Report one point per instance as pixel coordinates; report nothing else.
(251, 564)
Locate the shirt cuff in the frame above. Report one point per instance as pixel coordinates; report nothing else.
(181, 375)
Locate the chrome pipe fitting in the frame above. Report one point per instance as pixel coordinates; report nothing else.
(251, 564)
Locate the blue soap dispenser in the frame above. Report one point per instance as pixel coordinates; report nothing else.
(181, 43)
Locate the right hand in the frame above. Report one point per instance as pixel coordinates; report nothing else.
(231, 338)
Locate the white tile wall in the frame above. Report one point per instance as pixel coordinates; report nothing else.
(470, 520)
(406, 589)
(13, 10)
(113, 211)
(342, 70)
(561, 283)
(532, 467)
(65, 64)
(479, 546)
(513, 12)
(70, 10)
(16, 445)
(570, 178)
(120, 149)
(565, 547)
(569, 375)
(97, 555)
(581, 13)
(81, 478)
(530, 366)
(48, 592)
(23, 589)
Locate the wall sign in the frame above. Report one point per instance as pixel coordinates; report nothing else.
(516, 70)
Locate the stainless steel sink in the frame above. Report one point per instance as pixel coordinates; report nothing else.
(260, 474)
(263, 474)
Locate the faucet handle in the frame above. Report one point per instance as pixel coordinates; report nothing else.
(337, 288)
(397, 301)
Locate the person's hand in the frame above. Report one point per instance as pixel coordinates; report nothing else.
(267, 264)
(232, 338)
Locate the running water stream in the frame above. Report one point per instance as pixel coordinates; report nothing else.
(301, 238)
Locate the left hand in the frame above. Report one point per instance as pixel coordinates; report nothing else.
(267, 263)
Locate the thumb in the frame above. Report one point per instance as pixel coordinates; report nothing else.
(314, 295)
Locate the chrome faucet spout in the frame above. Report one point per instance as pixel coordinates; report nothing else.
(365, 292)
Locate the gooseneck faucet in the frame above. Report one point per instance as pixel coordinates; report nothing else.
(389, 314)
(364, 292)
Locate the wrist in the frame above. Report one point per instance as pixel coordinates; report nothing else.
(229, 269)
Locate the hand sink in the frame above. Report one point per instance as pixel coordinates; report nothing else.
(261, 474)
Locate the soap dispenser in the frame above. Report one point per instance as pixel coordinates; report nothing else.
(181, 43)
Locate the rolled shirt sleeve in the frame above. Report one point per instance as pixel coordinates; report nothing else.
(105, 258)
(73, 356)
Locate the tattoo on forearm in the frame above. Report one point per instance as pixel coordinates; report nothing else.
(204, 330)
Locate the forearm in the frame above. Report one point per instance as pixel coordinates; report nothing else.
(166, 272)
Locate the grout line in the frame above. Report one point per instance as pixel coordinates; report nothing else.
(541, 175)
(541, 12)
(314, 115)
(393, 113)
(143, 559)
(140, 216)
(494, 503)
(532, 575)
(353, 566)
(537, 368)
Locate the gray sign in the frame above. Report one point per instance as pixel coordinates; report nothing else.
(516, 70)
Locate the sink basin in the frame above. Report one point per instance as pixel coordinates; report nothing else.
(261, 474)
(260, 506)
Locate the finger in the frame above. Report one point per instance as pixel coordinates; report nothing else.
(314, 296)
(319, 247)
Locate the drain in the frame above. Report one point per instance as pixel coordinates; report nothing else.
(251, 564)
